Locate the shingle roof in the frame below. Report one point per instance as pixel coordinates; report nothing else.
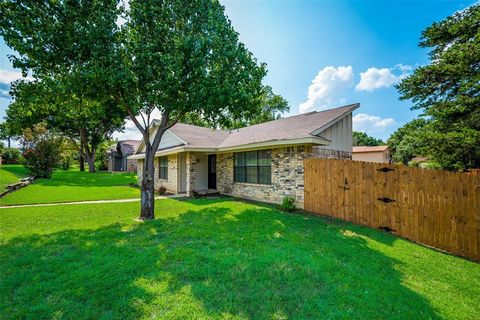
(199, 137)
(294, 127)
(369, 149)
(127, 147)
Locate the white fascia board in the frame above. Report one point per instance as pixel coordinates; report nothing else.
(251, 146)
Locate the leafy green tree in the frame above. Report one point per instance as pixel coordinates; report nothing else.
(177, 57)
(184, 57)
(448, 89)
(271, 108)
(363, 139)
(6, 133)
(409, 141)
(42, 151)
(10, 155)
(69, 48)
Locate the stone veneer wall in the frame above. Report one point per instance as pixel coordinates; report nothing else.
(287, 176)
(172, 183)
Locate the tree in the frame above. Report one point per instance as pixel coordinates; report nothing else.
(178, 57)
(448, 89)
(409, 141)
(363, 139)
(6, 133)
(271, 108)
(69, 48)
(184, 58)
(10, 155)
(42, 151)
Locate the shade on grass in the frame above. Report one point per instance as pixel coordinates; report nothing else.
(220, 259)
(11, 173)
(73, 185)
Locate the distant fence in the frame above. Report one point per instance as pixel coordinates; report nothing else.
(437, 208)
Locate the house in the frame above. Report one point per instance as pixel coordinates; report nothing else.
(261, 162)
(118, 156)
(380, 154)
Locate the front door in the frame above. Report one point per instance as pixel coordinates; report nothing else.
(212, 171)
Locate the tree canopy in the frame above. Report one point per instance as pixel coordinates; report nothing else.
(363, 139)
(448, 89)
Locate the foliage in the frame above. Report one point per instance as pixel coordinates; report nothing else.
(288, 203)
(363, 139)
(6, 133)
(41, 151)
(65, 161)
(70, 91)
(409, 141)
(271, 108)
(184, 58)
(11, 155)
(448, 91)
(74, 185)
(215, 259)
(104, 148)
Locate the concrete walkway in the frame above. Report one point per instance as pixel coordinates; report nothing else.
(88, 202)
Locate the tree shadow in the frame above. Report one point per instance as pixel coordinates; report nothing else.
(256, 264)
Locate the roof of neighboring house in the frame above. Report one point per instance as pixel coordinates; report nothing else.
(306, 127)
(128, 147)
(369, 149)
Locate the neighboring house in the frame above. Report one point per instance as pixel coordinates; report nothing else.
(262, 162)
(380, 154)
(118, 156)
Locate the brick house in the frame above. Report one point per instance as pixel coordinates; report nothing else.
(261, 162)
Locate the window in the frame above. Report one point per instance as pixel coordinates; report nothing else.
(253, 167)
(163, 168)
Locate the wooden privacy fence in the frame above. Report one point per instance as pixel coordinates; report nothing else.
(437, 208)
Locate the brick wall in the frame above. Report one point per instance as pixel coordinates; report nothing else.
(171, 183)
(287, 176)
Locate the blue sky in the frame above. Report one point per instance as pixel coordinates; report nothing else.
(323, 54)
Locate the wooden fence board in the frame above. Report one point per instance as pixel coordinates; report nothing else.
(436, 208)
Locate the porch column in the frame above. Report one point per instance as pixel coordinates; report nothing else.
(190, 161)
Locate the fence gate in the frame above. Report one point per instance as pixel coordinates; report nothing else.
(433, 207)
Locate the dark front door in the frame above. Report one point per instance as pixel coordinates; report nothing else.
(212, 171)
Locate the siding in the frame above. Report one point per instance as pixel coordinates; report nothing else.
(340, 134)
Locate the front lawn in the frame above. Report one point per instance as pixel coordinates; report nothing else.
(219, 259)
(73, 185)
(11, 173)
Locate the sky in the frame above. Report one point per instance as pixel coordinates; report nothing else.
(325, 54)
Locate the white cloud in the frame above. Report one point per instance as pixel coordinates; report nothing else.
(131, 131)
(375, 78)
(326, 88)
(371, 124)
(7, 76)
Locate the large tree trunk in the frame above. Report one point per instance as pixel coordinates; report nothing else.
(90, 157)
(81, 163)
(147, 211)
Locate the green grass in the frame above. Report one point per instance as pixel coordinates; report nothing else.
(11, 173)
(73, 185)
(220, 259)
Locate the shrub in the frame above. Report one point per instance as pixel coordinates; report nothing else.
(288, 203)
(11, 156)
(65, 161)
(162, 190)
(42, 151)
